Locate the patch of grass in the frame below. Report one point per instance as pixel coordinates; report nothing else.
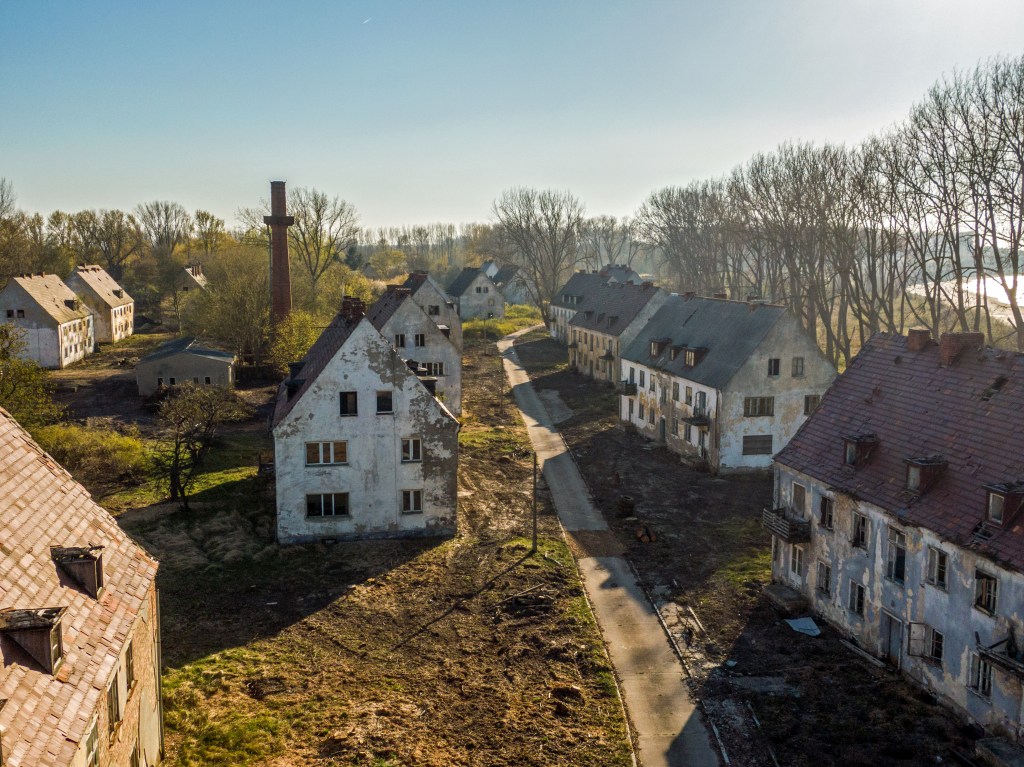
(506, 441)
(516, 318)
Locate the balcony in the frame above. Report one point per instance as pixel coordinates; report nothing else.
(783, 524)
(1006, 654)
(627, 388)
(698, 418)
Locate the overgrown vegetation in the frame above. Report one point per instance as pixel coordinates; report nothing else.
(516, 317)
(101, 459)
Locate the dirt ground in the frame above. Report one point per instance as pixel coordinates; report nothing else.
(384, 653)
(772, 693)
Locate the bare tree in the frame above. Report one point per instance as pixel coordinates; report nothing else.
(112, 237)
(324, 229)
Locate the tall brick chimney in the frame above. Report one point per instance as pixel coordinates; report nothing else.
(280, 274)
(951, 345)
(918, 339)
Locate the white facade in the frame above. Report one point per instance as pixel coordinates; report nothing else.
(437, 304)
(112, 308)
(56, 326)
(481, 300)
(365, 450)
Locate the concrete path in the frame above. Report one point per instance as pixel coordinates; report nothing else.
(668, 727)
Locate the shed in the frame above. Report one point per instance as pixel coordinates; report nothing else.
(181, 360)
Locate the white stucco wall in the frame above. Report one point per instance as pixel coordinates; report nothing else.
(474, 305)
(429, 296)
(409, 320)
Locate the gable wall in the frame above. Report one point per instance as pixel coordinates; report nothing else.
(474, 305)
(409, 320)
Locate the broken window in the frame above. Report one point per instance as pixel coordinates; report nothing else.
(754, 407)
(399, 340)
(113, 706)
(896, 556)
(798, 367)
(796, 561)
(986, 592)
(925, 642)
(349, 403)
(799, 498)
(774, 365)
(412, 450)
(861, 531)
(434, 368)
(827, 512)
(824, 584)
(856, 603)
(10, 314)
(675, 391)
(384, 402)
(327, 505)
(757, 444)
(412, 501)
(937, 566)
(811, 402)
(325, 453)
(980, 680)
(420, 339)
(857, 449)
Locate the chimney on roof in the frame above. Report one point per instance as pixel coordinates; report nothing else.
(952, 345)
(280, 275)
(721, 295)
(646, 285)
(690, 294)
(918, 339)
(352, 309)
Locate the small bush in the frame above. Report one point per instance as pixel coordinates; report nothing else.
(98, 458)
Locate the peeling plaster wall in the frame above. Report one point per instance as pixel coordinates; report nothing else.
(374, 476)
(950, 611)
(428, 296)
(41, 332)
(474, 305)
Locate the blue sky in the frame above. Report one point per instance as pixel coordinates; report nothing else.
(425, 111)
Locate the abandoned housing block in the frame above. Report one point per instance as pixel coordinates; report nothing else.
(608, 321)
(112, 308)
(181, 361)
(897, 516)
(427, 348)
(567, 301)
(438, 305)
(191, 277)
(728, 382)
(513, 282)
(362, 448)
(55, 324)
(79, 632)
(476, 296)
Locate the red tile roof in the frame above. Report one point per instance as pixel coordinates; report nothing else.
(970, 413)
(46, 717)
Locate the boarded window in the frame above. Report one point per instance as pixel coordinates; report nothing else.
(754, 407)
(758, 444)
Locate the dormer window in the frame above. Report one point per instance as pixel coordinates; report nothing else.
(38, 633)
(83, 565)
(691, 358)
(658, 346)
(1003, 502)
(923, 472)
(857, 449)
(674, 352)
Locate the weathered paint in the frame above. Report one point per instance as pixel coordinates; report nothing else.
(181, 368)
(51, 344)
(482, 305)
(591, 345)
(375, 475)
(429, 294)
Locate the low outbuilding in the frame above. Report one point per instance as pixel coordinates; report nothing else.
(181, 360)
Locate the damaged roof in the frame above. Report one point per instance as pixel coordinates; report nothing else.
(102, 285)
(970, 413)
(610, 308)
(46, 717)
(729, 331)
(53, 296)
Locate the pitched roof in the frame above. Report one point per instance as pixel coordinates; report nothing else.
(730, 331)
(320, 353)
(102, 284)
(619, 273)
(385, 306)
(506, 273)
(464, 280)
(46, 717)
(417, 280)
(186, 344)
(53, 296)
(579, 285)
(610, 308)
(970, 413)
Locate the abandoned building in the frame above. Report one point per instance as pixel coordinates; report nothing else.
(897, 516)
(726, 382)
(55, 324)
(569, 298)
(476, 296)
(79, 623)
(191, 277)
(513, 282)
(438, 305)
(606, 322)
(362, 447)
(113, 310)
(425, 346)
(182, 360)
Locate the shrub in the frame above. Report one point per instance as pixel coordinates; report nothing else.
(98, 458)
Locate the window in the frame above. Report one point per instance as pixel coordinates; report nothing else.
(412, 450)
(798, 367)
(384, 403)
(861, 531)
(933, 645)
(856, 603)
(412, 501)
(896, 556)
(857, 450)
(824, 584)
(21, 314)
(92, 751)
(159, 381)
(10, 314)
(675, 391)
(640, 411)
(689, 395)
(996, 505)
(754, 407)
(433, 311)
(399, 340)
(652, 382)
(195, 379)
(632, 375)
(937, 566)
(691, 358)
(650, 415)
(630, 401)
(641, 379)
(349, 403)
(327, 505)
(113, 706)
(811, 402)
(675, 425)
(129, 666)
(420, 339)
(326, 453)
(757, 444)
(688, 432)
(171, 381)
(799, 498)
(774, 365)
(826, 510)
(479, 289)
(980, 680)
(434, 368)
(796, 561)
(208, 381)
(986, 592)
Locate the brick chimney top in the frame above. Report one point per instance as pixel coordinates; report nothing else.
(918, 339)
(721, 295)
(952, 345)
(690, 294)
(353, 309)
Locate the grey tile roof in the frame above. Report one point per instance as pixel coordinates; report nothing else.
(730, 331)
(417, 280)
(186, 344)
(611, 308)
(580, 284)
(463, 281)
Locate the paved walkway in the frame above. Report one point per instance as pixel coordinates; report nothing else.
(668, 727)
